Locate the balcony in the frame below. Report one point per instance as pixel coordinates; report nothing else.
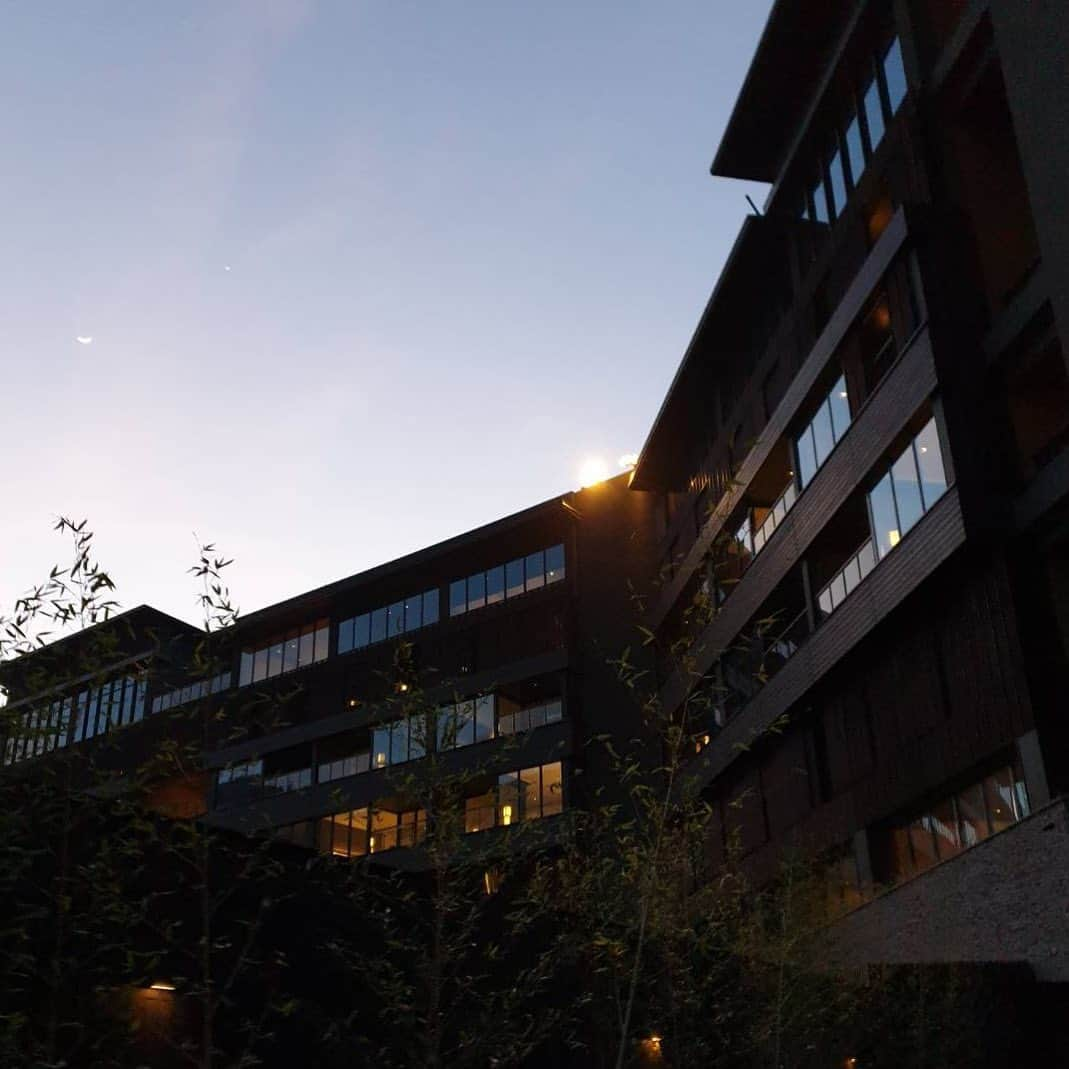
(933, 539)
(855, 310)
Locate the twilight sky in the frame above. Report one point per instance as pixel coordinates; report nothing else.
(359, 274)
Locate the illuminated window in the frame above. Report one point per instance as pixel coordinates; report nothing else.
(957, 822)
(526, 794)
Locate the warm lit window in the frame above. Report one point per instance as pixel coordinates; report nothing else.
(296, 648)
(388, 621)
(957, 823)
(526, 794)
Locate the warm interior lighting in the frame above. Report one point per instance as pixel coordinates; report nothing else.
(655, 1042)
(593, 470)
(893, 537)
(353, 703)
(881, 316)
(506, 814)
(879, 216)
(161, 985)
(402, 688)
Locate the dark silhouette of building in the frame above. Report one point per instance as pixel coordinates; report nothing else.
(505, 634)
(864, 459)
(861, 464)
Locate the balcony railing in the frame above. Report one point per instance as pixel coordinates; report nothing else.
(847, 578)
(775, 517)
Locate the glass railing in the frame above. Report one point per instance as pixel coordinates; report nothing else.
(846, 579)
(776, 515)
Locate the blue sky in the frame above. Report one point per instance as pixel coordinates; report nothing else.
(359, 275)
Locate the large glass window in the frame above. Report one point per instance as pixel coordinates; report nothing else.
(837, 183)
(957, 822)
(514, 578)
(855, 150)
(819, 437)
(525, 794)
(884, 519)
(820, 202)
(894, 73)
(476, 591)
(874, 114)
(906, 492)
(930, 464)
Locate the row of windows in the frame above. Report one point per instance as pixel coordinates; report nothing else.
(400, 741)
(507, 580)
(297, 648)
(460, 725)
(915, 482)
(91, 712)
(958, 822)
(389, 621)
(527, 794)
(841, 169)
(356, 832)
(192, 692)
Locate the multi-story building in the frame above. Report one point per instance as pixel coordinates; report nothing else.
(503, 637)
(864, 457)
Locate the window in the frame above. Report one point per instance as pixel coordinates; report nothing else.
(75, 718)
(526, 794)
(193, 692)
(389, 621)
(873, 114)
(855, 151)
(507, 580)
(837, 183)
(297, 648)
(894, 75)
(820, 203)
(914, 483)
(819, 437)
(344, 767)
(515, 721)
(957, 822)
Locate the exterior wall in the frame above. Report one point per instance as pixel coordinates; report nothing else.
(1004, 900)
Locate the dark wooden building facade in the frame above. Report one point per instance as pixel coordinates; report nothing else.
(864, 459)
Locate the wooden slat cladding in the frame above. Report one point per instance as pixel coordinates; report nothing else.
(896, 724)
(937, 534)
(908, 385)
(860, 290)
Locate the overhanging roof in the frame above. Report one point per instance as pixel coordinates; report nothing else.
(784, 74)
